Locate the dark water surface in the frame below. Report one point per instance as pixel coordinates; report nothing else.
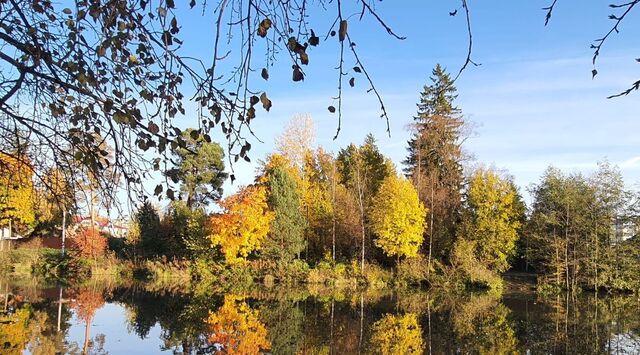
(141, 319)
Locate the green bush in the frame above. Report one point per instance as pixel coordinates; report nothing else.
(376, 276)
(412, 271)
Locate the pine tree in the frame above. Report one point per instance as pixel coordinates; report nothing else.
(434, 160)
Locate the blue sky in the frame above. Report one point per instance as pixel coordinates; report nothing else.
(532, 101)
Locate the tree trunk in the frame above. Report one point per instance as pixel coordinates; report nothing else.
(333, 205)
(87, 334)
(430, 232)
(361, 207)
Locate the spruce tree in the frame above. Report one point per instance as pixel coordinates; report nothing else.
(434, 160)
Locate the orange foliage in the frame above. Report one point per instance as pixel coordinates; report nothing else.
(88, 301)
(237, 329)
(89, 242)
(244, 224)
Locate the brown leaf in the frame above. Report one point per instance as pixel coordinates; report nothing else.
(331, 109)
(167, 38)
(304, 58)
(265, 25)
(342, 34)
(352, 82)
(314, 40)
(266, 103)
(153, 128)
(297, 74)
(292, 43)
(265, 74)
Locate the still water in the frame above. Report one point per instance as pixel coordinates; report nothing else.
(142, 319)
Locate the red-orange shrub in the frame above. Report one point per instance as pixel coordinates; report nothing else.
(88, 242)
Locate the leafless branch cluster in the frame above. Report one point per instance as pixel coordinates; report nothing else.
(623, 10)
(95, 87)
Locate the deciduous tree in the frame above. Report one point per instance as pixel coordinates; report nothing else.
(397, 218)
(243, 225)
(89, 243)
(492, 218)
(16, 192)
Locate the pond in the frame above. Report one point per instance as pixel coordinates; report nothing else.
(148, 319)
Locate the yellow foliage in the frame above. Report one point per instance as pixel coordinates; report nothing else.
(243, 225)
(397, 335)
(16, 191)
(236, 327)
(481, 325)
(13, 331)
(397, 218)
(493, 220)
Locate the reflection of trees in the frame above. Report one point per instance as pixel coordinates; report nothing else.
(94, 346)
(44, 339)
(285, 321)
(397, 334)
(32, 327)
(181, 316)
(481, 326)
(582, 325)
(88, 301)
(236, 329)
(289, 322)
(13, 331)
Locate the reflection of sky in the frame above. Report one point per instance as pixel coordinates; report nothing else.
(625, 343)
(533, 101)
(111, 320)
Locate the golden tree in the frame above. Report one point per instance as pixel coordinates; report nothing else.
(243, 225)
(16, 191)
(397, 218)
(492, 218)
(236, 327)
(397, 335)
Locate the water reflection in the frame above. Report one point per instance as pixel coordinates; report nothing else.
(98, 319)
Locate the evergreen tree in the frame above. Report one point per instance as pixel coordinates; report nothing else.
(434, 160)
(151, 239)
(200, 169)
(286, 237)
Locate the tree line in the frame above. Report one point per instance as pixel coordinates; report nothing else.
(440, 220)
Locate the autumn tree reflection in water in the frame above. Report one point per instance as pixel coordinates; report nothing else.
(320, 321)
(236, 329)
(87, 302)
(399, 334)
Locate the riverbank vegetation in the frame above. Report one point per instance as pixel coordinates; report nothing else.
(350, 218)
